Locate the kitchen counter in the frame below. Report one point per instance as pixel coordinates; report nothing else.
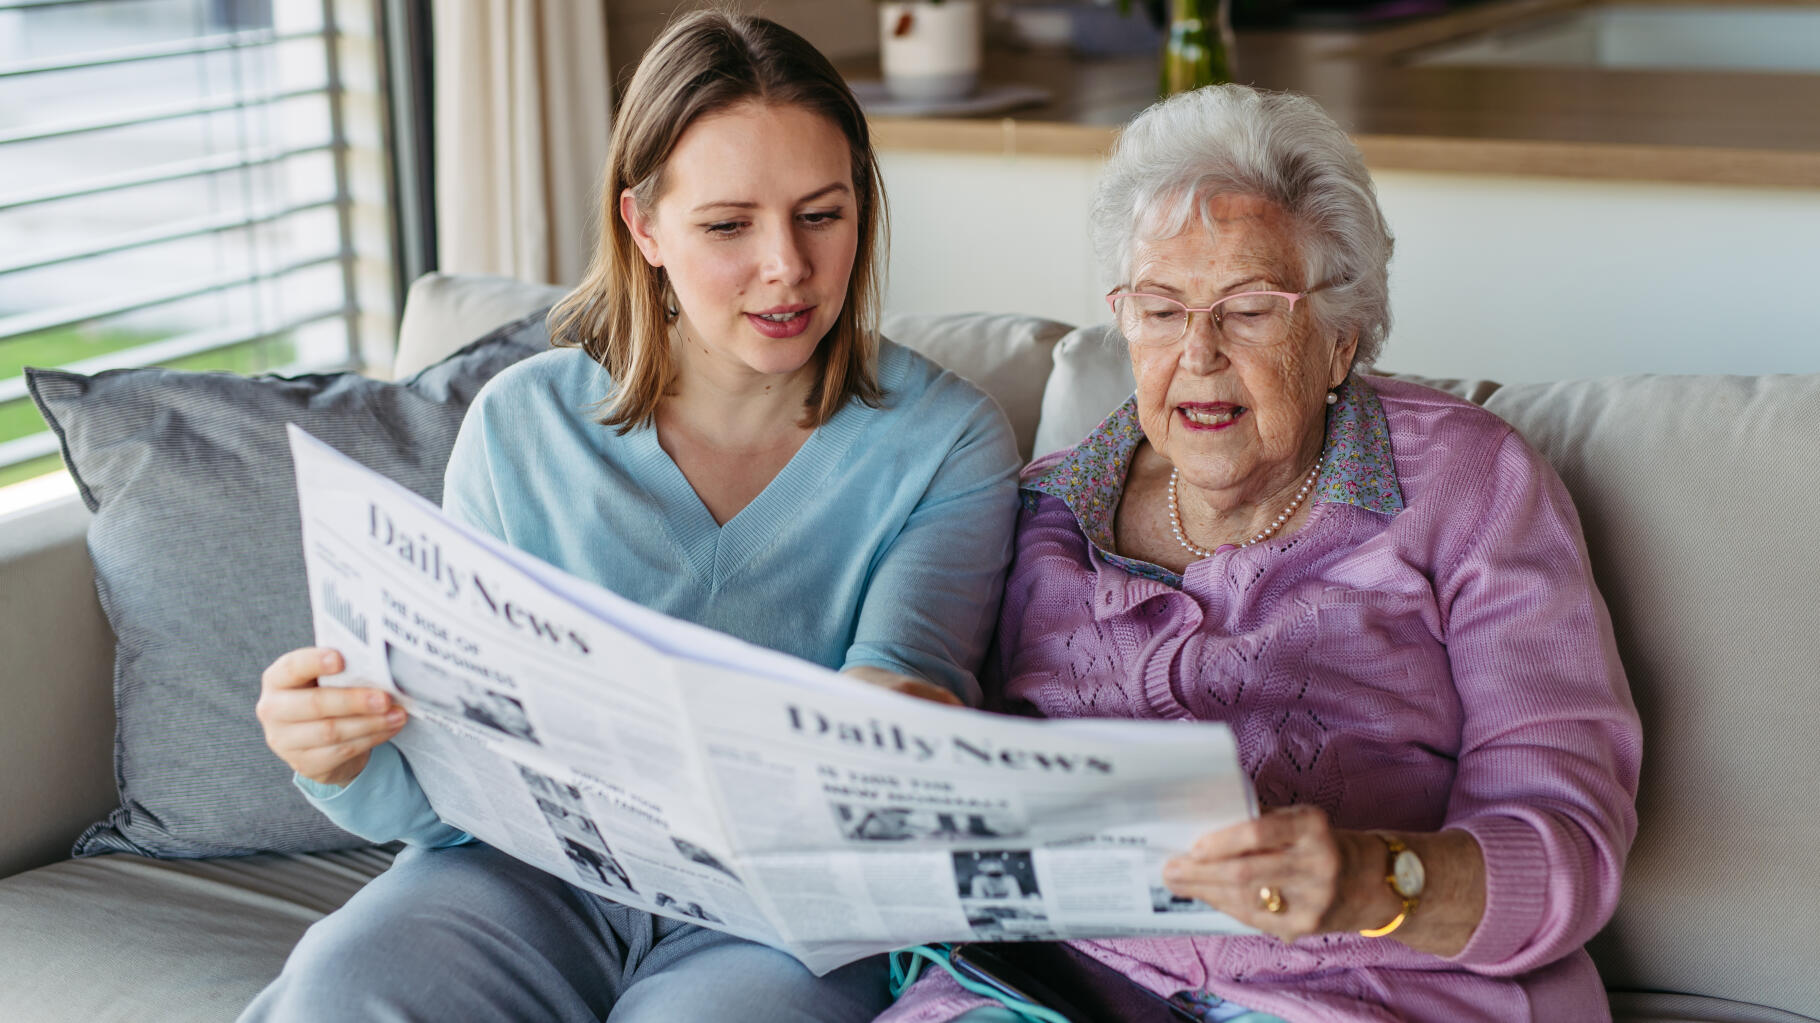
(1713, 127)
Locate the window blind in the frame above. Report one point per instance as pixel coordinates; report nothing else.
(196, 184)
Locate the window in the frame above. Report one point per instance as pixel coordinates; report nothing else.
(197, 184)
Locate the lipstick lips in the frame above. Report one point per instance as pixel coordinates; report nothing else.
(1210, 415)
(779, 322)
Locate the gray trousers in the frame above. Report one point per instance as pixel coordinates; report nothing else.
(469, 933)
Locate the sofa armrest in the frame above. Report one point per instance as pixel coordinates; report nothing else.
(56, 687)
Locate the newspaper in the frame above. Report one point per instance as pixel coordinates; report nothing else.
(690, 774)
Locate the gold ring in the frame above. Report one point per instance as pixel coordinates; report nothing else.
(1271, 900)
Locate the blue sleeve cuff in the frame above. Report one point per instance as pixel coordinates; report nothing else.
(383, 803)
(318, 791)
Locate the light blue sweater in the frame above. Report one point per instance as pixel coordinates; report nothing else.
(883, 542)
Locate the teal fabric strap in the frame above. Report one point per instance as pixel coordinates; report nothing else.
(907, 965)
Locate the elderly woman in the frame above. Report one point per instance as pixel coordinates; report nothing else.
(1381, 589)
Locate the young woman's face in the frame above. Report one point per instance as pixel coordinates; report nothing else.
(757, 227)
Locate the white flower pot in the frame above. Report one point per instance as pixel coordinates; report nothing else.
(930, 51)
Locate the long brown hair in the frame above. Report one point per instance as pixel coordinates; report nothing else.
(704, 63)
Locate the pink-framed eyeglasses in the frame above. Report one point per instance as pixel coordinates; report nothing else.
(1251, 318)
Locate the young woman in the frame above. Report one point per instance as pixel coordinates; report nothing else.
(722, 437)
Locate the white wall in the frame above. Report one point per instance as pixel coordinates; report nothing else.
(1538, 278)
(1508, 278)
(991, 233)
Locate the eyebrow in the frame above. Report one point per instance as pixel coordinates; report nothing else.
(739, 204)
(1149, 284)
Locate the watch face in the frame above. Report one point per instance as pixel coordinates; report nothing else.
(1410, 877)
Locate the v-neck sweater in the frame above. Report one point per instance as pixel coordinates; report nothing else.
(883, 542)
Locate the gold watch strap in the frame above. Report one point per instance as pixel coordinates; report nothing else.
(1395, 845)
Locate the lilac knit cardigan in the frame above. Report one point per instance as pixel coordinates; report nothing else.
(1447, 666)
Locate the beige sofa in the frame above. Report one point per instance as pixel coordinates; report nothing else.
(1698, 498)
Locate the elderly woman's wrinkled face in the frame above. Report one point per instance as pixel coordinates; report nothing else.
(1239, 422)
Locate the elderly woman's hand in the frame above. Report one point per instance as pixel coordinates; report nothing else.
(1294, 853)
(1327, 879)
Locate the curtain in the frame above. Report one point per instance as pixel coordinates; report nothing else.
(523, 103)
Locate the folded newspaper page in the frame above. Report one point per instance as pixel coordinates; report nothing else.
(691, 774)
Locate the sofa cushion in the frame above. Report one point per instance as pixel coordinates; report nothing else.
(445, 311)
(1658, 1007)
(199, 566)
(1092, 376)
(1697, 498)
(179, 941)
(1007, 356)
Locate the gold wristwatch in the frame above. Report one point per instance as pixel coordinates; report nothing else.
(1406, 877)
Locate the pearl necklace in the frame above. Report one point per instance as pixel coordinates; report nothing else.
(1175, 518)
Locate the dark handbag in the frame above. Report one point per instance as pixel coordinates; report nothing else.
(1067, 980)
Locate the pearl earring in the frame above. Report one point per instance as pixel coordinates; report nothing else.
(1332, 397)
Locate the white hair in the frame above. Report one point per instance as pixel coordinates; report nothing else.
(1174, 158)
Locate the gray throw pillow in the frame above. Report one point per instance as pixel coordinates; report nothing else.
(199, 567)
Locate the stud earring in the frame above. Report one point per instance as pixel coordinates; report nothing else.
(1332, 397)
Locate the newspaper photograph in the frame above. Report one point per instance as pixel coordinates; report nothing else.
(691, 774)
